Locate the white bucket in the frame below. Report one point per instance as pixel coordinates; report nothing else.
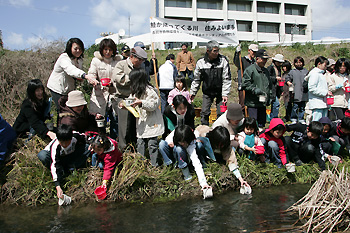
(335, 160)
(129, 101)
(291, 88)
(290, 167)
(262, 98)
(207, 192)
(66, 200)
(245, 190)
(100, 122)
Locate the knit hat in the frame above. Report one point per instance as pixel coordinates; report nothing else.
(75, 99)
(234, 112)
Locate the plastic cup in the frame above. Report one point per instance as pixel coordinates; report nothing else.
(335, 160)
(223, 107)
(105, 81)
(245, 190)
(66, 200)
(100, 122)
(281, 83)
(129, 101)
(101, 192)
(290, 167)
(262, 98)
(260, 150)
(330, 100)
(291, 88)
(207, 193)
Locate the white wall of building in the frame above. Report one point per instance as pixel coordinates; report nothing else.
(254, 17)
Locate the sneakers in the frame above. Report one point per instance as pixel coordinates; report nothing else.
(186, 173)
(298, 162)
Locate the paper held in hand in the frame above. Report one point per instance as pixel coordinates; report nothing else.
(131, 109)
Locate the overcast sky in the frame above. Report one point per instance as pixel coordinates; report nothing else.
(25, 23)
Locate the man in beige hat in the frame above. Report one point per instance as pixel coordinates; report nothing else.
(242, 64)
(121, 84)
(276, 77)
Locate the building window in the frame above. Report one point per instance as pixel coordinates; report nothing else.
(297, 29)
(244, 26)
(268, 27)
(209, 4)
(240, 5)
(291, 9)
(178, 3)
(266, 7)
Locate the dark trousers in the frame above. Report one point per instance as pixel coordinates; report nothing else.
(306, 152)
(207, 102)
(259, 114)
(188, 72)
(164, 93)
(336, 113)
(126, 126)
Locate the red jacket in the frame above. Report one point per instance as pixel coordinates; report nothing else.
(110, 159)
(267, 135)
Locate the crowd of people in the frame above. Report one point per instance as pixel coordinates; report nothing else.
(160, 121)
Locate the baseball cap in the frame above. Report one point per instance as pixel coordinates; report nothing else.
(125, 48)
(139, 52)
(140, 44)
(262, 53)
(253, 47)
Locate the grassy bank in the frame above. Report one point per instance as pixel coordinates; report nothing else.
(24, 181)
(28, 182)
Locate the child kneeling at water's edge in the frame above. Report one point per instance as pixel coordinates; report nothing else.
(64, 154)
(106, 155)
(180, 147)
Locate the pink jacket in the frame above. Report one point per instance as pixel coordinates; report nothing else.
(111, 159)
(174, 92)
(241, 137)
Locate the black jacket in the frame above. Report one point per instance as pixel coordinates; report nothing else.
(169, 114)
(31, 118)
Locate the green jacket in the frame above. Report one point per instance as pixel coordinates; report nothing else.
(256, 82)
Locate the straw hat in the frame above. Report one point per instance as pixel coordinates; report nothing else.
(75, 99)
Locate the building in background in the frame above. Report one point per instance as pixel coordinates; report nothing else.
(257, 20)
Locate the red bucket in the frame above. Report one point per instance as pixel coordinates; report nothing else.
(105, 81)
(281, 83)
(223, 107)
(330, 100)
(347, 88)
(101, 192)
(260, 150)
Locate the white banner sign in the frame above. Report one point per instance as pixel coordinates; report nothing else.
(172, 30)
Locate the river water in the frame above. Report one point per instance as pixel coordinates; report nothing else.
(228, 212)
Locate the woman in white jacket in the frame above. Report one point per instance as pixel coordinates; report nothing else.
(68, 69)
(102, 66)
(336, 84)
(318, 89)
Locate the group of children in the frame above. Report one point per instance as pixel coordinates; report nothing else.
(183, 145)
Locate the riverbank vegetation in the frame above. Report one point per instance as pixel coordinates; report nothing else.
(25, 181)
(326, 207)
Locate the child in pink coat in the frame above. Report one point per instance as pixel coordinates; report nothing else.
(180, 89)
